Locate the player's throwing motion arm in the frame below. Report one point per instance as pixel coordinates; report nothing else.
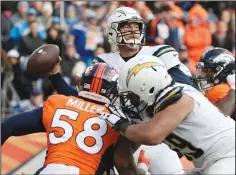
(159, 127)
(22, 124)
(60, 84)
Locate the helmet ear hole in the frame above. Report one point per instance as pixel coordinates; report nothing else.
(151, 90)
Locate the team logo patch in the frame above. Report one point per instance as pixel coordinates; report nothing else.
(136, 69)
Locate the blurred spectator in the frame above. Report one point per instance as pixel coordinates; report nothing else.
(86, 36)
(220, 38)
(212, 27)
(199, 11)
(127, 3)
(22, 28)
(185, 5)
(31, 41)
(175, 32)
(56, 8)
(9, 6)
(46, 17)
(197, 35)
(99, 50)
(21, 81)
(226, 16)
(37, 5)
(184, 58)
(6, 25)
(143, 10)
(71, 17)
(5, 65)
(69, 60)
(157, 29)
(56, 22)
(54, 37)
(113, 5)
(35, 101)
(212, 16)
(22, 8)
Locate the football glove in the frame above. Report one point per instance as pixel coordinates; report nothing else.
(116, 119)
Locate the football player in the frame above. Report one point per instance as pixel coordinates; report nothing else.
(126, 30)
(78, 141)
(179, 116)
(216, 78)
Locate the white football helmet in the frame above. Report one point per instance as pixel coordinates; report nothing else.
(120, 16)
(140, 81)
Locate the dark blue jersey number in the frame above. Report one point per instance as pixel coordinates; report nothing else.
(180, 145)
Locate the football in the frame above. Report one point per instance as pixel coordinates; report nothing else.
(43, 59)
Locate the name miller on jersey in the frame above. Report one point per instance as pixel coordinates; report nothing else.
(84, 106)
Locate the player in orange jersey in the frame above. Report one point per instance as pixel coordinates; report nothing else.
(216, 78)
(78, 141)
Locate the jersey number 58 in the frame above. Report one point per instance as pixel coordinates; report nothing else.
(80, 137)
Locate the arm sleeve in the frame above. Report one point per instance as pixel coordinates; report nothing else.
(22, 124)
(217, 92)
(61, 86)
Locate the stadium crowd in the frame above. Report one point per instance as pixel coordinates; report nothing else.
(188, 26)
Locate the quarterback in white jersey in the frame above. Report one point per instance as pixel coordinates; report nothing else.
(126, 29)
(179, 116)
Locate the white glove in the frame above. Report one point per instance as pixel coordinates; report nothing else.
(231, 80)
(115, 118)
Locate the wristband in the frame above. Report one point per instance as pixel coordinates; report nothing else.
(122, 126)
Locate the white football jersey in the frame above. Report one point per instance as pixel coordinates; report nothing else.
(205, 135)
(165, 53)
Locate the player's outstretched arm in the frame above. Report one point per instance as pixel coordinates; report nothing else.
(22, 124)
(61, 86)
(59, 83)
(162, 124)
(123, 158)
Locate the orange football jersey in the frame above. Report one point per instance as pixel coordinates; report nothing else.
(217, 92)
(76, 136)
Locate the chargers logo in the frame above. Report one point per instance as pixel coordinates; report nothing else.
(136, 69)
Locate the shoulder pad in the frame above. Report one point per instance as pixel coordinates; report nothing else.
(173, 95)
(53, 99)
(97, 60)
(162, 50)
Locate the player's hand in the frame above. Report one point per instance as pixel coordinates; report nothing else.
(56, 68)
(231, 80)
(115, 118)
